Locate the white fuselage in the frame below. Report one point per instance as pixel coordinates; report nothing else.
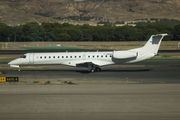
(68, 58)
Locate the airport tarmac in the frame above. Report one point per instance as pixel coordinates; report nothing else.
(90, 102)
(152, 71)
(151, 92)
(135, 74)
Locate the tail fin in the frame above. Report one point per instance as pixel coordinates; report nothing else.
(152, 46)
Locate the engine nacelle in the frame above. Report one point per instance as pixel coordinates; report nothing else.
(124, 54)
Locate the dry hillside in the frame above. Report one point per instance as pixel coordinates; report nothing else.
(14, 12)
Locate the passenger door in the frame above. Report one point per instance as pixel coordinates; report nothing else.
(31, 58)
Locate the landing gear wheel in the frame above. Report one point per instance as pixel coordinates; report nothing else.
(98, 69)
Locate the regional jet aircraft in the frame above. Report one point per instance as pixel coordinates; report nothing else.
(92, 60)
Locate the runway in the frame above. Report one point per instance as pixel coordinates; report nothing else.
(152, 71)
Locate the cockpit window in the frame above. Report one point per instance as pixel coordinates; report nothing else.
(24, 56)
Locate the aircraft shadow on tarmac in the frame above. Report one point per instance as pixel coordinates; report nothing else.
(79, 71)
(107, 71)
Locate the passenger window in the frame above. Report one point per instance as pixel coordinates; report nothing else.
(66, 56)
(54, 57)
(88, 56)
(101, 55)
(44, 56)
(93, 56)
(49, 56)
(79, 56)
(58, 57)
(110, 55)
(97, 55)
(41, 57)
(71, 57)
(74, 56)
(106, 55)
(62, 56)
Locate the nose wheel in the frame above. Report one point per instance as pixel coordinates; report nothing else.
(92, 70)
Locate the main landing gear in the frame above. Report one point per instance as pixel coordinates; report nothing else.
(97, 69)
(93, 68)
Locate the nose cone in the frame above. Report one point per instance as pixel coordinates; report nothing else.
(15, 62)
(10, 63)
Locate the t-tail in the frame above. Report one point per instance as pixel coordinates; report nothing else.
(150, 49)
(152, 46)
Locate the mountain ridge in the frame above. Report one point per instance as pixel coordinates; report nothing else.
(15, 13)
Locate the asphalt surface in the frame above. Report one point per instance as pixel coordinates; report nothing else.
(105, 95)
(90, 102)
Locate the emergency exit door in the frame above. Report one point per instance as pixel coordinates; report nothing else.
(84, 57)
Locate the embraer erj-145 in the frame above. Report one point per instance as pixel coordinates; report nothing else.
(92, 60)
